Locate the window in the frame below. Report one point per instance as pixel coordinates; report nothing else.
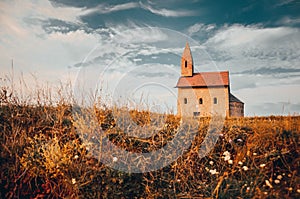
(185, 63)
(215, 100)
(200, 101)
(196, 114)
(185, 100)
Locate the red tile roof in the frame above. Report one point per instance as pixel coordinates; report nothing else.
(204, 79)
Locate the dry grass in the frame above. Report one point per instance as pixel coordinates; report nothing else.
(43, 156)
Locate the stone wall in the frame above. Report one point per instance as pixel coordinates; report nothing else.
(236, 109)
(207, 108)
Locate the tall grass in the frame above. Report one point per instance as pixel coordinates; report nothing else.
(43, 156)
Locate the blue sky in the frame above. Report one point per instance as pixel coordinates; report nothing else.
(132, 49)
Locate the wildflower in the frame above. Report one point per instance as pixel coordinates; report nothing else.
(73, 180)
(298, 190)
(277, 181)
(211, 162)
(213, 171)
(245, 168)
(230, 162)
(76, 157)
(115, 159)
(289, 175)
(240, 163)
(178, 180)
(262, 165)
(291, 189)
(226, 155)
(254, 153)
(239, 140)
(279, 177)
(268, 184)
(248, 188)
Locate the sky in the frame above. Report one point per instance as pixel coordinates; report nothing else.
(130, 51)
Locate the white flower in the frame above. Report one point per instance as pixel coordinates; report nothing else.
(211, 162)
(245, 168)
(226, 156)
(262, 165)
(239, 140)
(115, 159)
(248, 188)
(298, 190)
(73, 180)
(226, 153)
(279, 177)
(230, 162)
(240, 163)
(76, 156)
(254, 153)
(277, 181)
(213, 171)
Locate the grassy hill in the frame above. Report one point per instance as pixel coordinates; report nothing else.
(43, 155)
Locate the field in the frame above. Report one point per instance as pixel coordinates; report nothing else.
(43, 156)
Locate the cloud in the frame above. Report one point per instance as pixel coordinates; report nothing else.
(166, 12)
(245, 47)
(39, 10)
(284, 2)
(35, 51)
(200, 28)
(105, 8)
(287, 20)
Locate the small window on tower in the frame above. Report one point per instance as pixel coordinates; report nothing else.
(215, 100)
(185, 64)
(200, 101)
(185, 100)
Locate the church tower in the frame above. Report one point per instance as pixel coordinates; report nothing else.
(187, 65)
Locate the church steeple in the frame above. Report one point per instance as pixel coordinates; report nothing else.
(187, 65)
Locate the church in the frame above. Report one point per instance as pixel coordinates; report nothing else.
(205, 94)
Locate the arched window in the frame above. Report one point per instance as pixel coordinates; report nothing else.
(215, 100)
(200, 101)
(185, 100)
(185, 64)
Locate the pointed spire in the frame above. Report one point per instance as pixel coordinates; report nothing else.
(187, 53)
(187, 65)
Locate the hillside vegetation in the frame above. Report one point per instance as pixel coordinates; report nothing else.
(43, 156)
